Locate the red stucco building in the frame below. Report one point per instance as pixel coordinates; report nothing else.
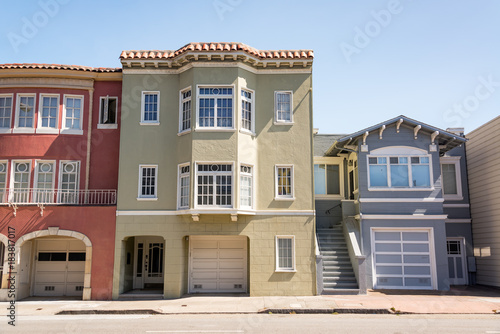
(59, 140)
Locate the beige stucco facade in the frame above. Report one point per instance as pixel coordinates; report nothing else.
(165, 147)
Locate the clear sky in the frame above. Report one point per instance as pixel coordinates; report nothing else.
(435, 61)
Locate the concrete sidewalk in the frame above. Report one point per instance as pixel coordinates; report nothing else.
(466, 300)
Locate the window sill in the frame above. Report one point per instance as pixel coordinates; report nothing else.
(215, 129)
(323, 196)
(250, 133)
(149, 123)
(71, 132)
(285, 271)
(48, 131)
(453, 198)
(400, 189)
(5, 130)
(284, 198)
(147, 198)
(185, 132)
(23, 130)
(283, 123)
(107, 126)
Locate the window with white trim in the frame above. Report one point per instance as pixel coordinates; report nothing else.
(283, 107)
(451, 178)
(148, 179)
(44, 181)
(73, 112)
(284, 181)
(108, 108)
(48, 112)
(5, 111)
(185, 110)
(247, 110)
(285, 253)
(246, 186)
(215, 107)
(214, 186)
(399, 171)
(326, 179)
(69, 181)
(25, 111)
(3, 181)
(150, 112)
(184, 182)
(20, 181)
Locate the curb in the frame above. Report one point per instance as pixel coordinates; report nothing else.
(327, 311)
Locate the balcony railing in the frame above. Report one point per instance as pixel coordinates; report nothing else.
(36, 196)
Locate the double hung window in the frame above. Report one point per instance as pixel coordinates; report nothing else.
(285, 253)
(5, 112)
(185, 111)
(247, 110)
(25, 115)
(451, 178)
(73, 112)
(150, 113)
(283, 107)
(184, 183)
(48, 112)
(246, 185)
(284, 182)
(148, 181)
(108, 112)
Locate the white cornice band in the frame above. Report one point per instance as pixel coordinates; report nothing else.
(215, 212)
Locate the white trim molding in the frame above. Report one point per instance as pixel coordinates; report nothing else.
(401, 200)
(412, 217)
(462, 221)
(216, 212)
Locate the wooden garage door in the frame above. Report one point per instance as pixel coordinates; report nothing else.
(402, 259)
(60, 267)
(217, 264)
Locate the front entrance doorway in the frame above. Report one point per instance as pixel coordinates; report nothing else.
(148, 263)
(456, 261)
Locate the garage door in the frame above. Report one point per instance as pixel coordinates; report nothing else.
(60, 267)
(402, 259)
(218, 264)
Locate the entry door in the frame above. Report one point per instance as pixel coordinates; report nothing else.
(149, 255)
(456, 261)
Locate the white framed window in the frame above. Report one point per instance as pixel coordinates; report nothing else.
(150, 108)
(451, 178)
(185, 110)
(247, 110)
(25, 113)
(69, 182)
(215, 107)
(5, 113)
(148, 182)
(214, 184)
(327, 179)
(108, 112)
(284, 182)
(3, 181)
(246, 186)
(183, 186)
(285, 253)
(283, 102)
(48, 113)
(73, 114)
(399, 171)
(44, 181)
(20, 181)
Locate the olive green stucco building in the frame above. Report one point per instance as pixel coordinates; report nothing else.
(215, 177)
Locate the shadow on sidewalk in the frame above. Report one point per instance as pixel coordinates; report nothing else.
(457, 290)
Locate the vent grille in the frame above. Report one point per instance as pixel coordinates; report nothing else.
(50, 288)
(198, 286)
(238, 286)
(79, 288)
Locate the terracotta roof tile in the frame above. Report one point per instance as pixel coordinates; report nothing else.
(218, 47)
(60, 67)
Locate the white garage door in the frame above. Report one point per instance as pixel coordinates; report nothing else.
(60, 267)
(402, 259)
(217, 264)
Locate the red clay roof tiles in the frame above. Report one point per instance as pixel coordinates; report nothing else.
(60, 67)
(218, 47)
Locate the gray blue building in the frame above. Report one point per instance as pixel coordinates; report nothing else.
(392, 209)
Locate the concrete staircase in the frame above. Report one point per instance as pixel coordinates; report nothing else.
(338, 275)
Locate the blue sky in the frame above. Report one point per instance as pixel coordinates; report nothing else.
(435, 61)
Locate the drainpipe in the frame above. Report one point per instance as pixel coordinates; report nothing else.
(89, 138)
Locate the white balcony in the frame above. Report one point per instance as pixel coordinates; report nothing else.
(34, 196)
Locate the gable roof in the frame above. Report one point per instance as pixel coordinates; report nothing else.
(445, 139)
(323, 142)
